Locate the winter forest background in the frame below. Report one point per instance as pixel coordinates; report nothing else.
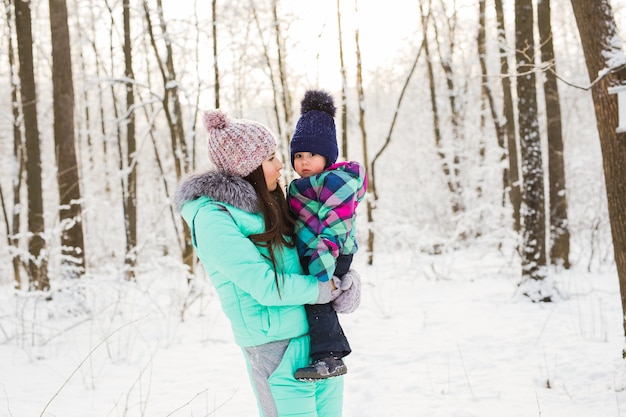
(445, 101)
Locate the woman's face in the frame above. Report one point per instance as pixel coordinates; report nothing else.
(271, 170)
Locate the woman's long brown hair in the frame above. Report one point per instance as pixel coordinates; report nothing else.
(279, 221)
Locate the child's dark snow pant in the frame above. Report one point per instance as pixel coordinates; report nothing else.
(327, 338)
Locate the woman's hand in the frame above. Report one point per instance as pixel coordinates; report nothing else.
(332, 289)
(348, 300)
(335, 288)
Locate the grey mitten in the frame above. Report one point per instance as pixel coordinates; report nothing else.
(350, 298)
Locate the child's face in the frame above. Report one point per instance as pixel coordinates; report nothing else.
(307, 164)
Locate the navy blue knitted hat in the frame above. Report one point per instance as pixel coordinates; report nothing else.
(315, 130)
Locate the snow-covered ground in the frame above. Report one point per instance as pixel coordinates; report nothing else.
(444, 335)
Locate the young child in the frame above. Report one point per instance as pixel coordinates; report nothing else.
(324, 199)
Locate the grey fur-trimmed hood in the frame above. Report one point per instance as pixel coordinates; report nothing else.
(218, 186)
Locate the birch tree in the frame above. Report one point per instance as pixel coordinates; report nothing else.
(12, 217)
(361, 100)
(216, 67)
(343, 114)
(128, 164)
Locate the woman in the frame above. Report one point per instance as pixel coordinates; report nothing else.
(242, 232)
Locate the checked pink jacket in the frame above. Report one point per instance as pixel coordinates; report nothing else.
(326, 208)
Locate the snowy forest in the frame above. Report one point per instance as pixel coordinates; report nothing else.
(493, 133)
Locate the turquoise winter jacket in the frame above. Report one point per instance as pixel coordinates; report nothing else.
(221, 211)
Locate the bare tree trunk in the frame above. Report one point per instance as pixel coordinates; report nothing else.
(445, 163)
(196, 103)
(559, 229)
(512, 174)
(100, 70)
(283, 136)
(216, 70)
(70, 199)
(487, 93)
(597, 28)
(86, 123)
(282, 74)
(130, 168)
(18, 158)
(456, 121)
(38, 258)
(182, 151)
(174, 115)
(372, 176)
(344, 87)
(533, 253)
(361, 100)
(83, 104)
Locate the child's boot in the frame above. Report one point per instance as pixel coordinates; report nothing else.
(322, 369)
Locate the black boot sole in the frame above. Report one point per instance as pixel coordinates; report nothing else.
(302, 375)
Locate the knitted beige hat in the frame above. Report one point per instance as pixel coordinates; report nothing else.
(237, 146)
